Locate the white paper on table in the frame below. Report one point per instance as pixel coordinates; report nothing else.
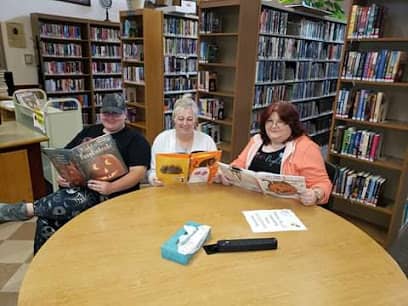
(273, 220)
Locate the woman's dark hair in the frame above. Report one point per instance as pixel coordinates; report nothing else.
(287, 113)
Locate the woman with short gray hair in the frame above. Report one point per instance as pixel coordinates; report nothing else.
(184, 138)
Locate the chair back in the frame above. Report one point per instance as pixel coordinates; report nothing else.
(399, 249)
(331, 170)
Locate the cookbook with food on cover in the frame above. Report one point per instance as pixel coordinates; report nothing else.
(196, 167)
(285, 186)
(97, 159)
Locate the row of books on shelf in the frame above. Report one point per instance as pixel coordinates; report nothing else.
(104, 34)
(74, 67)
(295, 91)
(209, 52)
(132, 28)
(180, 26)
(133, 73)
(211, 129)
(65, 85)
(180, 65)
(211, 108)
(168, 122)
(179, 83)
(105, 50)
(56, 49)
(362, 144)
(83, 100)
(180, 46)
(362, 104)
(307, 109)
(106, 67)
(293, 48)
(107, 83)
(210, 22)
(324, 30)
(317, 125)
(269, 71)
(133, 51)
(86, 117)
(366, 21)
(277, 22)
(361, 186)
(60, 30)
(169, 102)
(207, 80)
(384, 65)
(273, 21)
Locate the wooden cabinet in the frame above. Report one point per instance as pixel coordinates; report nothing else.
(20, 163)
(369, 133)
(78, 58)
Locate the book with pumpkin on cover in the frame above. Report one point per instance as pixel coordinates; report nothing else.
(196, 167)
(284, 186)
(97, 159)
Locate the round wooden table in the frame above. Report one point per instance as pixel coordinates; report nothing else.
(110, 255)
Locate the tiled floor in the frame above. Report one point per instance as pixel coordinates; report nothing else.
(16, 252)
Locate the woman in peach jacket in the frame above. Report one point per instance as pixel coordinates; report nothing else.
(282, 147)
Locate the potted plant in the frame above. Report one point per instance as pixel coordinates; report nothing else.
(333, 6)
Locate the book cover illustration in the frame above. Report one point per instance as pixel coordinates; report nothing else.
(197, 167)
(172, 168)
(240, 177)
(97, 159)
(203, 166)
(28, 99)
(285, 186)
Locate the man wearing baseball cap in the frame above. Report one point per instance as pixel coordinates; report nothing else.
(57, 208)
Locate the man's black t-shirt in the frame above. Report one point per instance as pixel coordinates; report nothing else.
(133, 147)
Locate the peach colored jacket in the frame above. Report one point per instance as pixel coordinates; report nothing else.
(301, 157)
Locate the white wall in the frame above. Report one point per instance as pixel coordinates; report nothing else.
(20, 10)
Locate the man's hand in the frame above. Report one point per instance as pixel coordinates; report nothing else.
(62, 182)
(101, 187)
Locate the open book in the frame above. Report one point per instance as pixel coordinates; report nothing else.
(97, 159)
(286, 186)
(187, 168)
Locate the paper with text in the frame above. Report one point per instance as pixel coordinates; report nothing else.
(273, 220)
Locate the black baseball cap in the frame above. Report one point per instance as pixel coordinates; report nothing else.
(113, 103)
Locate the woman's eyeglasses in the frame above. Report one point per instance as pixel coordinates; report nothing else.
(275, 123)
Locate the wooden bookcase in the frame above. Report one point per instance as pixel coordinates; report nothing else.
(238, 47)
(352, 139)
(159, 64)
(73, 56)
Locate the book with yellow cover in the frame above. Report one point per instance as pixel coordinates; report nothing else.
(197, 167)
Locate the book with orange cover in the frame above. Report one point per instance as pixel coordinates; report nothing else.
(196, 167)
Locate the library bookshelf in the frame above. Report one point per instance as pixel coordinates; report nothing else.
(369, 131)
(160, 65)
(261, 52)
(78, 58)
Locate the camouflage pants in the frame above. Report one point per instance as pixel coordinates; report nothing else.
(56, 209)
